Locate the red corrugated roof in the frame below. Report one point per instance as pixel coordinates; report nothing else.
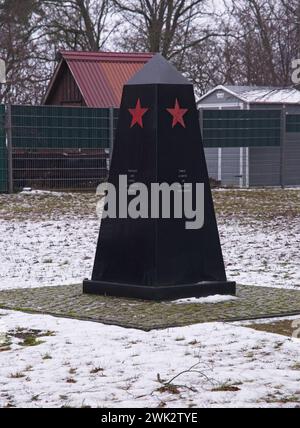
(101, 76)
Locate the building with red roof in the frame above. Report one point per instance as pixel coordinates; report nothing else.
(92, 79)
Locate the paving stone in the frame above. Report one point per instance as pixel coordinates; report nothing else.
(68, 301)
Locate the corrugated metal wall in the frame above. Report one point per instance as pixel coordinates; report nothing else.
(264, 166)
(211, 155)
(231, 167)
(242, 146)
(291, 160)
(228, 165)
(3, 151)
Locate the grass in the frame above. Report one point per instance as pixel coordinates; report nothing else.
(257, 204)
(97, 370)
(5, 344)
(194, 342)
(226, 387)
(71, 380)
(296, 366)
(283, 328)
(31, 341)
(35, 398)
(64, 397)
(173, 389)
(17, 375)
(46, 206)
(179, 339)
(47, 357)
(260, 204)
(30, 337)
(278, 398)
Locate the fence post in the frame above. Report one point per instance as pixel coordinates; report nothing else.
(201, 121)
(282, 146)
(220, 164)
(111, 133)
(9, 149)
(247, 160)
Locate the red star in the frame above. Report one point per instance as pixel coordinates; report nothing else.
(137, 114)
(177, 114)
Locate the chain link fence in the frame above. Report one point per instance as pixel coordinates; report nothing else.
(252, 147)
(3, 151)
(66, 148)
(69, 148)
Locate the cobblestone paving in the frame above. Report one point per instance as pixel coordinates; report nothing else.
(68, 301)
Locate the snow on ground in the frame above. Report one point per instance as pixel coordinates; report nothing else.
(89, 364)
(60, 252)
(46, 253)
(217, 298)
(50, 239)
(262, 253)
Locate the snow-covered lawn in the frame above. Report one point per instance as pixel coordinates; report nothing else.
(262, 253)
(50, 239)
(89, 364)
(38, 254)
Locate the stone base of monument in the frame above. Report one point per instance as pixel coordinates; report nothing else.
(159, 293)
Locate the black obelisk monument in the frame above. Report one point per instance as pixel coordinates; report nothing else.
(158, 140)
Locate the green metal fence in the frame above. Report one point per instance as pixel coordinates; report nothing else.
(60, 147)
(69, 148)
(3, 151)
(293, 123)
(241, 128)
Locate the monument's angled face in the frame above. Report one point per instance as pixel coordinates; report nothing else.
(160, 239)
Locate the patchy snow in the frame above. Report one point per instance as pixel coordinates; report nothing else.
(267, 320)
(217, 298)
(262, 253)
(49, 238)
(89, 364)
(48, 253)
(28, 191)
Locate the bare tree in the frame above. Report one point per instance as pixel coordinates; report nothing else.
(78, 24)
(292, 14)
(168, 27)
(19, 22)
(266, 39)
(250, 42)
(32, 31)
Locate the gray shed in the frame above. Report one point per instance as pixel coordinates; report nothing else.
(252, 135)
